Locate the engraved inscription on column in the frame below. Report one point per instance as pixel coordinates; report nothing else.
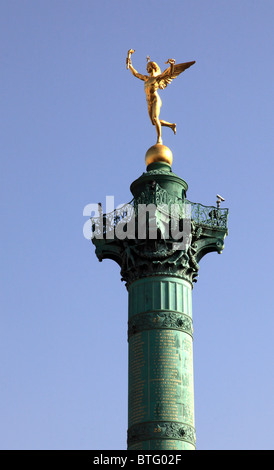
(166, 375)
(137, 380)
(160, 377)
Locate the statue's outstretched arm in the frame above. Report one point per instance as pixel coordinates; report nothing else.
(135, 73)
(171, 62)
(132, 69)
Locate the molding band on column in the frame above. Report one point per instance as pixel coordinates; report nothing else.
(161, 430)
(160, 320)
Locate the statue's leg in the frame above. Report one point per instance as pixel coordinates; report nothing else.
(168, 124)
(155, 119)
(150, 114)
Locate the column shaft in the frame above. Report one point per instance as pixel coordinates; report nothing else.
(161, 395)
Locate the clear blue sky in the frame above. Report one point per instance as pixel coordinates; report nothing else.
(74, 128)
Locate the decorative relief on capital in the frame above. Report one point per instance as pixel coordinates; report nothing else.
(159, 233)
(142, 258)
(161, 430)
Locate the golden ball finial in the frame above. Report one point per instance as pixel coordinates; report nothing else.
(159, 153)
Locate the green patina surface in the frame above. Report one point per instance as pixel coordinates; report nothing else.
(159, 278)
(161, 398)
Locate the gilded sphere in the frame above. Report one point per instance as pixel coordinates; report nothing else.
(159, 153)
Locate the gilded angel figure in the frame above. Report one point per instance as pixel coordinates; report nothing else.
(156, 80)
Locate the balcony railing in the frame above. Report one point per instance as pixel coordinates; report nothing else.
(204, 216)
(208, 216)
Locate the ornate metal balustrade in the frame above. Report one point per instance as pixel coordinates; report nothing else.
(104, 225)
(208, 216)
(203, 216)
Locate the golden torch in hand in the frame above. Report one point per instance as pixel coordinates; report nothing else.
(129, 56)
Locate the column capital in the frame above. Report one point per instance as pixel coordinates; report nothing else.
(142, 239)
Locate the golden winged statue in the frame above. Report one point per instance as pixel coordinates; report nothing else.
(156, 80)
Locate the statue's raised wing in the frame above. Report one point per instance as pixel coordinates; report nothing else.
(166, 77)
